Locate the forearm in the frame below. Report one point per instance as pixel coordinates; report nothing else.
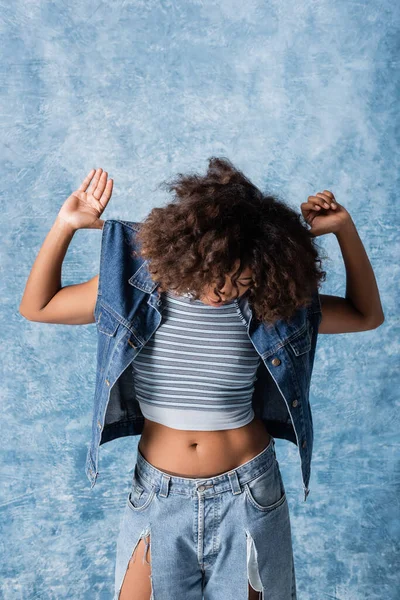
(44, 280)
(361, 286)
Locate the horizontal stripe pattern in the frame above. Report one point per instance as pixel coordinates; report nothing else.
(198, 370)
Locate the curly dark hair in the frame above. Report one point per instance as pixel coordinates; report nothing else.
(220, 217)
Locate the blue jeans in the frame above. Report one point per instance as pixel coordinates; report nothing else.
(209, 537)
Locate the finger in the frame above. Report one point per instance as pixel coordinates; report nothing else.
(317, 202)
(323, 202)
(106, 195)
(333, 202)
(307, 206)
(329, 198)
(100, 186)
(326, 200)
(309, 210)
(309, 215)
(86, 181)
(95, 181)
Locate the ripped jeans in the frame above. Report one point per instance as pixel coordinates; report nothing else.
(209, 537)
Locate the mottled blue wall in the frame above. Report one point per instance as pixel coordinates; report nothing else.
(302, 97)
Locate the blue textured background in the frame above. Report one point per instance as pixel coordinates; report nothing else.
(302, 96)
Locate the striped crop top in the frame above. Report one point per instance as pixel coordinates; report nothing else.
(198, 370)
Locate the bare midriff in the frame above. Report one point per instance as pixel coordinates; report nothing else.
(201, 454)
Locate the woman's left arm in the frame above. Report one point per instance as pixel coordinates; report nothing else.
(361, 309)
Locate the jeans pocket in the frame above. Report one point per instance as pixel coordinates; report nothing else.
(266, 492)
(141, 495)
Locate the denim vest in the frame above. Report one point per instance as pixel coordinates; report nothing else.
(128, 312)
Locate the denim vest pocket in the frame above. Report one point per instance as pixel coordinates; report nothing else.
(266, 492)
(140, 496)
(106, 323)
(302, 342)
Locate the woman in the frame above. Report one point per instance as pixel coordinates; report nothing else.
(207, 510)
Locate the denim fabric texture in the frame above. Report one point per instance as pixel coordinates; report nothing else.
(203, 531)
(128, 312)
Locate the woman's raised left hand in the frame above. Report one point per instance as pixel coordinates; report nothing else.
(323, 213)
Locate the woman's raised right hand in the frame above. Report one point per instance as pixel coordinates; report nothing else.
(83, 208)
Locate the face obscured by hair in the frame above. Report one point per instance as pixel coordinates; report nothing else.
(228, 293)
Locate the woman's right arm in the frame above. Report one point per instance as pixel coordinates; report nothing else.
(44, 299)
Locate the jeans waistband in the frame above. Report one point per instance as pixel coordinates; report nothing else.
(230, 480)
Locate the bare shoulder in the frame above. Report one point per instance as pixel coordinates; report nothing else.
(340, 316)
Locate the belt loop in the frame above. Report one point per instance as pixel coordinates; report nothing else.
(234, 481)
(164, 488)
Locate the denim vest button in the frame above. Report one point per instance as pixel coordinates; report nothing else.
(107, 382)
(99, 424)
(294, 403)
(276, 362)
(304, 444)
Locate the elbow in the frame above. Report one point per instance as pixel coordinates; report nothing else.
(21, 309)
(375, 322)
(26, 315)
(23, 314)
